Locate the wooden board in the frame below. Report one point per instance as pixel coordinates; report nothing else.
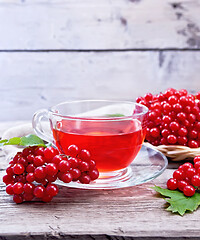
(30, 81)
(94, 24)
(130, 213)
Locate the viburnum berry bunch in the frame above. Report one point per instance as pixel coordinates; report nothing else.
(186, 178)
(173, 118)
(31, 173)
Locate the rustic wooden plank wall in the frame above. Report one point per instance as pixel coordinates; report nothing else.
(56, 50)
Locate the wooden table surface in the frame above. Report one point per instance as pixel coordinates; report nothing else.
(130, 213)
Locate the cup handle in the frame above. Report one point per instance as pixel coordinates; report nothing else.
(38, 118)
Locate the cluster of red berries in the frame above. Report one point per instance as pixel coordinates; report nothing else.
(31, 173)
(186, 178)
(173, 118)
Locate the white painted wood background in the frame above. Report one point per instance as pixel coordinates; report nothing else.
(52, 51)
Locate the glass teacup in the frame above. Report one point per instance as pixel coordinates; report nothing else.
(112, 131)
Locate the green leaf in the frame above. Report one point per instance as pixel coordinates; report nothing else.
(30, 140)
(178, 201)
(2, 142)
(13, 141)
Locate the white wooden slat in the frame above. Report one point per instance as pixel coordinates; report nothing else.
(94, 24)
(30, 81)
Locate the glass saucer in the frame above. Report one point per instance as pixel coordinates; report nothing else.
(148, 165)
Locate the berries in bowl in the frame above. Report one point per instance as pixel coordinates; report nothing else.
(173, 122)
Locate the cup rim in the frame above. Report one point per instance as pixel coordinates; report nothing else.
(52, 110)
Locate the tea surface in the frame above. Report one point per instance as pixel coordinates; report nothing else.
(112, 144)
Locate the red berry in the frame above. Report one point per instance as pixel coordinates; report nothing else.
(39, 191)
(183, 101)
(51, 169)
(191, 118)
(195, 180)
(182, 140)
(148, 97)
(38, 161)
(7, 179)
(172, 99)
(198, 95)
(73, 162)
(166, 119)
(26, 151)
(181, 116)
(30, 158)
(76, 173)
(178, 175)
(193, 134)
(174, 126)
(73, 150)
(16, 157)
(18, 188)
(169, 92)
(64, 166)
(57, 159)
(152, 116)
(182, 132)
(172, 139)
(51, 178)
(51, 190)
(18, 168)
(197, 165)
(84, 155)
(189, 191)
(9, 171)
(30, 168)
(163, 141)
(92, 164)
(22, 161)
(154, 132)
(28, 197)
(193, 144)
(138, 99)
(49, 153)
(177, 108)
(83, 166)
(191, 101)
(181, 185)
(17, 198)
(94, 174)
(39, 151)
(190, 172)
(84, 178)
(30, 177)
(196, 159)
(28, 188)
(9, 189)
(186, 166)
(165, 133)
(40, 172)
(66, 177)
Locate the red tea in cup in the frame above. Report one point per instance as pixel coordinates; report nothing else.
(112, 131)
(112, 145)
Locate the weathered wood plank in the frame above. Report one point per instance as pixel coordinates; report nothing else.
(133, 212)
(30, 81)
(130, 213)
(105, 24)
